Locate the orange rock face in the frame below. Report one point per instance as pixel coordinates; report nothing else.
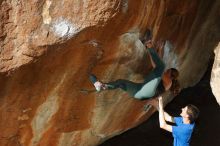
(48, 48)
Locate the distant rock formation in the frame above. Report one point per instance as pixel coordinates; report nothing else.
(215, 77)
(48, 48)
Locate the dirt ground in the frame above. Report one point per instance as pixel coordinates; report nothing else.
(206, 132)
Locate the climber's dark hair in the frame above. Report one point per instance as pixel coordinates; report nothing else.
(160, 89)
(175, 87)
(174, 73)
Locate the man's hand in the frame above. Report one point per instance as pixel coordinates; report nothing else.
(167, 117)
(162, 117)
(160, 102)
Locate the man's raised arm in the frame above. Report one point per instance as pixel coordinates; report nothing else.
(162, 121)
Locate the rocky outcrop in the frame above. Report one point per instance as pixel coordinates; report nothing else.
(215, 77)
(48, 48)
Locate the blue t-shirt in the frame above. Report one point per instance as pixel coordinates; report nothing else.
(182, 132)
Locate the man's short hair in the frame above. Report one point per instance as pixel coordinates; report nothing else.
(193, 112)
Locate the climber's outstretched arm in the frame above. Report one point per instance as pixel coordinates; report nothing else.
(156, 61)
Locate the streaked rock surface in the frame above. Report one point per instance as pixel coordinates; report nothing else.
(48, 48)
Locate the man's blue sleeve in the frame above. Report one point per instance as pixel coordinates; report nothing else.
(178, 120)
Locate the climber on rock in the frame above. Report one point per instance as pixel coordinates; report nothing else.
(155, 83)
